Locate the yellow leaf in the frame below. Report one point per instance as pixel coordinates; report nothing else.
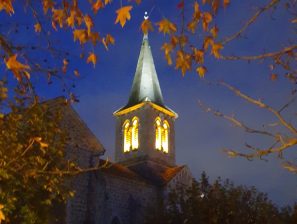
(89, 23)
(146, 26)
(59, 16)
(80, 35)
(206, 19)
(201, 71)
(123, 14)
(192, 25)
(37, 27)
(7, 6)
(207, 41)
(183, 61)
(107, 41)
(197, 13)
(167, 50)
(166, 26)
(214, 31)
(17, 68)
(97, 5)
(75, 17)
(216, 49)
(226, 3)
(198, 56)
(47, 4)
(92, 58)
(2, 216)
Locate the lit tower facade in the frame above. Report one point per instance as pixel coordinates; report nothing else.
(145, 126)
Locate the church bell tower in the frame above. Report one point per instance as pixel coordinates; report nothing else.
(145, 126)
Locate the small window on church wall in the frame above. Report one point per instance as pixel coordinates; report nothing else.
(165, 137)
(134, 133)
(158, 143)
(127, 136)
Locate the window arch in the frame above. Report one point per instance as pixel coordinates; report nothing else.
(127, 136)
(165, 136)
(134, 133)
(158, 128)
(162, 135)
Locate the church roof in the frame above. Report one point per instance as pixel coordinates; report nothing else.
(150, 172)
(145, 85)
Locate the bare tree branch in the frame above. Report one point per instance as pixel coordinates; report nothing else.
(250, 21)
(262, 105)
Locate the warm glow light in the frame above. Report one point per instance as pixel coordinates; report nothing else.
(165, 137)
(158, 143)
(127, 136)
(134, 131)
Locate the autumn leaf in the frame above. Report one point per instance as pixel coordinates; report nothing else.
(65, 65)
(167, 48)
(207, 42)
(7, 6)
(2, 216)
(92, 58)
(192, 25)
(206, 19)
(107, 2)
(166, 26)
(89, 23)
(201, 70)
(76, 73)
(198, 56)
(273, 77)
(107, 41)
(123, 14)
(216, 49)
(37, 28)
(214, 31)
(94, 37)
(47, 4)
(80, 35)
(59, 16)
(174, 41)
(146, 26)
(97, 5)
(183, 62)
(215, 6)
(138, 1)
(226, 3)
(17, 68)
(74, 18)
(197, 13)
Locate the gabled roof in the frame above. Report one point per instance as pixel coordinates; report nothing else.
(149, 172)
(145, 85)
(80, 136)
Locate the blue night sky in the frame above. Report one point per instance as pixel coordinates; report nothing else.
(200, 137)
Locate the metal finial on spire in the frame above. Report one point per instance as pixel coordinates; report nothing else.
(145, 15)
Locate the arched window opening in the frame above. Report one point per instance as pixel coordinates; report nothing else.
(165, 137)
(134, 133)
(127, 136)
(158, 128)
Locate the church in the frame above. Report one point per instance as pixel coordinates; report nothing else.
(144, 168)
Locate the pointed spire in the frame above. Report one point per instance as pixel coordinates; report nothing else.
(145, 85)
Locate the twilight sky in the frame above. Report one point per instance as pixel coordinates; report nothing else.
(200, 137)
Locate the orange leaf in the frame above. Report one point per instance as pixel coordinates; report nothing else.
(198, 56)
(273, 77)
(59, 16)
(47, 4)
(192, 25)
(89, 23)
(226, 3)
(166, 26)
(37, 28)
(216, 49)
(94, 37)
(7, 6)
(92, 58)
(215, 6)
(201, 71)
(167, 48)
(75, 17)
(17, 68)
(146, 26)
(123, 14)
(80, 35)
(97, 5)
(206, 19)
(107, 41)
(197, 13)
(2, 216)
(183, 62)
(207, 41)
(214, 31)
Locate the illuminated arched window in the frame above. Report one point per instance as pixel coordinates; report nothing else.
(165, 136)
(158, 127)
(127, 136)
(134, 133)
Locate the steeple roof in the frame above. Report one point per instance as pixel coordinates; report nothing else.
(145, 85)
